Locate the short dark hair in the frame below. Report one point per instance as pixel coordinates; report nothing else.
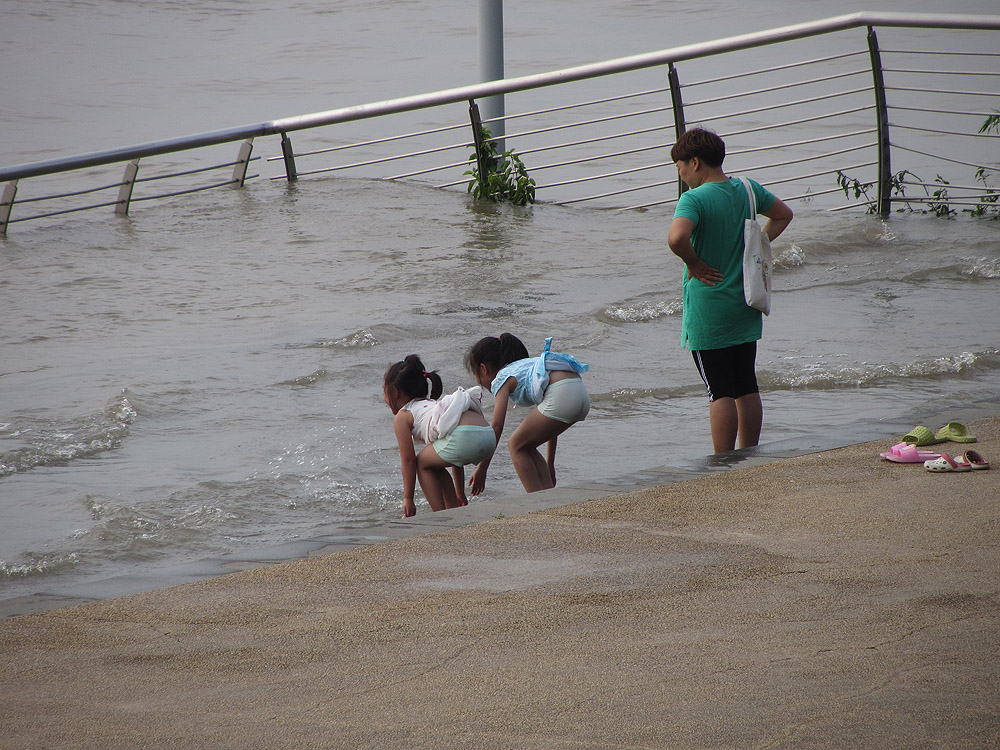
(702, 143)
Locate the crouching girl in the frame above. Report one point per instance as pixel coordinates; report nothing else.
(453, 427)
(550, 382)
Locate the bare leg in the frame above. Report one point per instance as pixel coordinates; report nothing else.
(724, 419)
(731, 417)
(435, 481)
(751, 417)
(531, 466)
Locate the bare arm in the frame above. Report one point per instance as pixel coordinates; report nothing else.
(478, 481)
(778, 216)
(552, 458)
(458, 475)
(401, 426)
(679, 240)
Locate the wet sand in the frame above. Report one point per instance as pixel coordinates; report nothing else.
(826, 600)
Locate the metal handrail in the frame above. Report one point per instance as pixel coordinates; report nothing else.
(501, 87)
(675, 105)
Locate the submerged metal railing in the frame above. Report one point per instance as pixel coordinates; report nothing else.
(857, 120)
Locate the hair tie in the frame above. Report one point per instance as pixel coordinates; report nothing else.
(425, 375)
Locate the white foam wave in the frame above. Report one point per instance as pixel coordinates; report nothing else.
(37, 564)
(981, 268)
(638, 312)
(789, 257)
(47, 442)
(822, 376)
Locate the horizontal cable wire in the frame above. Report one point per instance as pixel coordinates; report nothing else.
(939, 111)
(69, 195)
(785, 86)
(63, 211)
(942, 91)
(616, 192)
(788, 123)
(770, 182)
(374, 142)
(786, 66)
(805, 142)
(943, 72)
(958, 53)
(186, 192)
(901, 126)
(113, 185)
(443, 167)
(772, 107)
(199, 170)
(381, 160)
(609, 118)
(760, 169)
(565, 107)
(596, 139)
(591, 178)
(942, 158)
(598, 157)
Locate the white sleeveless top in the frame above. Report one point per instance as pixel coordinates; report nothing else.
(435, 419)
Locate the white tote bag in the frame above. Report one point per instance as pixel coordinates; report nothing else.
(756, 259)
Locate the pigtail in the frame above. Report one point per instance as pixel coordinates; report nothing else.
(410, 377)
(437, 387)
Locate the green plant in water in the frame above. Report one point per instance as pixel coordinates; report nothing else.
(939, 206)
(937, 202)
(505, 179)
(988, 203)
(896, 183)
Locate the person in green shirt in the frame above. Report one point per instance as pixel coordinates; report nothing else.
(718, 326)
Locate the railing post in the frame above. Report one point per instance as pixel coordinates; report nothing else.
(882, 125)
(286, 151)
(677, 104)
(491, 64)
(125, 189)
(242, 162)
(6, 204)
(477, 138)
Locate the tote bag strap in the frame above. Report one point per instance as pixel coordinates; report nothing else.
(751, 197)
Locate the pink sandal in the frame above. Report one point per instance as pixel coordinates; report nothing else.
(906, 453)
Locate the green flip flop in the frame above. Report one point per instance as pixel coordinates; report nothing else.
(920, 435)
(956, 432)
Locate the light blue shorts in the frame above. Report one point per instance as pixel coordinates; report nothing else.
(466, 444)
(566, 401)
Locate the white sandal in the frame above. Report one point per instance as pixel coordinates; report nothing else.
(946, 463)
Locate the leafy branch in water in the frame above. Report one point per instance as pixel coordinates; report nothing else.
(988, 202)
(897, 185)
(506, 178)
(936, 201)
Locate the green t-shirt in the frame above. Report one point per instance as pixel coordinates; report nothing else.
(718, 316)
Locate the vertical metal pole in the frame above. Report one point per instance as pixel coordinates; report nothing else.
(491, 65)
(477, 138)
(6, 204)
(677, 104)
(289, 154)
(242, 162)
(125, 189)
(882, 125)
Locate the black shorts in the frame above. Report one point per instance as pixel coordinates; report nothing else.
(729, 372)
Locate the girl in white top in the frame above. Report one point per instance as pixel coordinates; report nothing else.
(454, 428)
